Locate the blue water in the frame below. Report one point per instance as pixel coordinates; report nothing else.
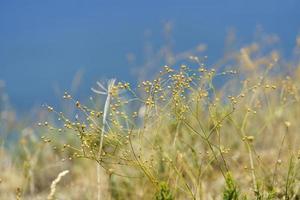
(44, 43)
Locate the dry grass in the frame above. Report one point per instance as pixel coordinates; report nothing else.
(178, 136)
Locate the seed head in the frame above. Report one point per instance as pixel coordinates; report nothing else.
(287, 124)
(279, 162)
(77, 104)
(50, 109)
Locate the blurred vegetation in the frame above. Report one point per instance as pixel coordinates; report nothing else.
(228, 131)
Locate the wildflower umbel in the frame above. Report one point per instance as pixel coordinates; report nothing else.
(130, 135)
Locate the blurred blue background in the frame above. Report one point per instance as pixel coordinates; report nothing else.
(43, 44)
